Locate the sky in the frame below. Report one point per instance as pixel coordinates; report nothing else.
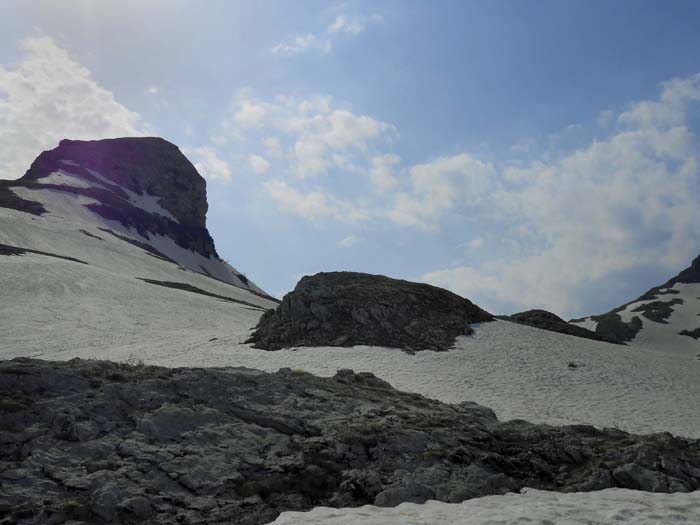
(524, 154)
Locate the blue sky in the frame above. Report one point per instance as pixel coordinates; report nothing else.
(523, 154)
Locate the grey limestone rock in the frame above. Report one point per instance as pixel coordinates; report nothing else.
(100, 442)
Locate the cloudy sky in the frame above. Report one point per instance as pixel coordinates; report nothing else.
(523, 154)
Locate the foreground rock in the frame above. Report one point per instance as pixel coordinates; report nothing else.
(100, 442)
(548, 321)
(348, 309)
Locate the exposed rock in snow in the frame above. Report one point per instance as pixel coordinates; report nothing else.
(659, 318)
(549, 321)
(97, 442)
(348, 308)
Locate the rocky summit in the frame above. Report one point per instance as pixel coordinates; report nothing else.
(111, 168)
(349, 308)
(100, 442)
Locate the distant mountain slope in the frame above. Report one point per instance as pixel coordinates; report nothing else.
(665, 317)
(104, 245)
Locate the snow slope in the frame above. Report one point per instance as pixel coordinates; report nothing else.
(51, 305)
(58, 309)
(53, 308)
(532, 507)
(663, 319)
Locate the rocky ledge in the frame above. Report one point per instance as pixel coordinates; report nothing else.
(348, 308)
(101, 442)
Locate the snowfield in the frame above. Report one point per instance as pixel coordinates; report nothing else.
(57, 309)
(532, 507)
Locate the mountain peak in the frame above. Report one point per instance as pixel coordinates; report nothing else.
(143, 165)
(141, 190)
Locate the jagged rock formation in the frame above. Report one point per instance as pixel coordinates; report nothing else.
(656, 305)
(101, 442)
(548, 321)
(348, 308)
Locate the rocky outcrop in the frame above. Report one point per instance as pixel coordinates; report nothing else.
(548, 321)
(348, 309)
(100, 442)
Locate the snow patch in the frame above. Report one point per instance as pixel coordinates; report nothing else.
(531, 506)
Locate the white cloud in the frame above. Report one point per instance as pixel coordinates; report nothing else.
(258, 164)
(208, 163)
(382, 174)
(46, 97)
(313, 205)
(349, 241)
(251, 113)
(628, 201)
(153, 90)
(273, 146)
(301, 44)
(322, 42)
(342, 24)
(441, 186)
(310, 135)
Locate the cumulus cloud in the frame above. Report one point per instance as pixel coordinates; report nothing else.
(627, 201)
(251, 113)
(258, 164)
(322, 42)
(383, 172)
(440, 186)
(209, 164)
(47, 96)
(310, 135)
(313, 205)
